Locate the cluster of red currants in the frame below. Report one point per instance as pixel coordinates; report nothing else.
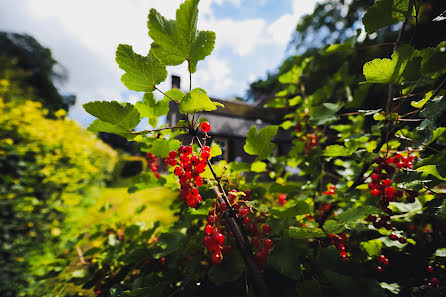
(382, 260)
(338, 240)
(188, 168)
(432, 281)
(213, 240)
(153, 164)
(330, 191)
(281, 199)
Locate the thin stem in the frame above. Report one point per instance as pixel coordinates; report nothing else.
(166, 95)
(190, 76)
(155, 130)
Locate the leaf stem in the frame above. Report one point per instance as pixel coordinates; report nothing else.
(155, 130)
(166, 95)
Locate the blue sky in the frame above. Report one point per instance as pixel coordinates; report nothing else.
(251, 39)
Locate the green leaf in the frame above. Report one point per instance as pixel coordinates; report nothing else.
(341, 151)
(101, 126)
(215, 150)
(160, 148)
(195, 101)
(389, 71)
(145, 180)
(305, 232)
(113, 117)
(372, 247)
(420, 103)
(291, 209)
(434, 59)
(332, 226)
(440, 252)
(142, 73)
(292, 76)
(151, 108)
(258, 166)
(387, 12)
(177, 41)
(434, 108)
(174, 94)
(169, 242)
(259, 143)
(357, 213)
(285, 259)
(125, 116)
(430, 170)
(228, 271)
(324, 114)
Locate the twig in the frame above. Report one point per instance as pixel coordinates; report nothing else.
(155, 130)
(166, 95)
(81, 255)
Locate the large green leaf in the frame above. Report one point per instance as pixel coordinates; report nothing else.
(387, 12)
(285, 259)
(101, 126)
(151, 108)
(341, 151)
(259, 143)
(430, 170)
(291, 209)
(176, 41)
(357, 213)
(142, 73)
(113, 117)
(197, 100)
(305, 232)
(324, 114)
(389, 71)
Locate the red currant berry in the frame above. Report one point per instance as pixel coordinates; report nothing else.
(266, 229)
(172, 154)
(268, 244)
(216, 258)
(177, 171)
(255, 241)
(386, 182)
(374, 192)
(430, 269)
(379, 269)
(219, 238)
(208, 230)
(393, 236)
(205, 127)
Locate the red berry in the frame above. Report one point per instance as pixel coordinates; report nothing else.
(268, 244)
(400, 165)
(219, 238)
(379, 269)
(172, 154)
(435, 281)
(205, 127)
(245, 220)
(216, 258)
(177, 171)
(389, 191)
(343, 256)
(266, 228)
(402, 240)
(386, 182)
(255, 241)
(198, 181)
(374, 192)
(208, 230)
(393, 236)
(211, 219)
(375, 177)
(430, 269)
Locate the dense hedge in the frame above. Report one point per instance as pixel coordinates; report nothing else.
(43, 162)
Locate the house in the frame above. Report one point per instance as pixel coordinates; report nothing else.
(230, 125)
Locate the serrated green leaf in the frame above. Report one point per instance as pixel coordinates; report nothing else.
(430, 170)
(341, 151)
(177, 41)
(305, 232)
(259, 142)
(125, 116)
(160, 148)
(151, 108)
(174, 94)
(258, 166)
(372, 247)
(142, 73)
(215, 150)
(434, 59)
(324, 114)
(387, 12)
(195, 101)
(357, 213)
(389, 71)
(101, 126)
(332, 226)
(256, 205)
(434, 108)
(291, 209)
